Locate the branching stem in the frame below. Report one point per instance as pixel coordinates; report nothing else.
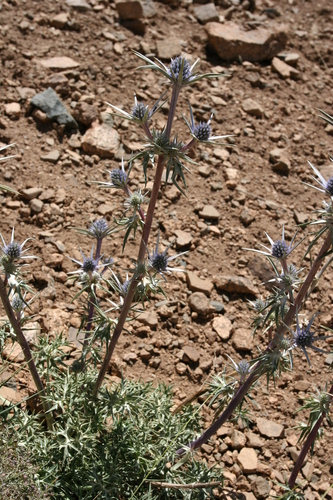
(27, 352)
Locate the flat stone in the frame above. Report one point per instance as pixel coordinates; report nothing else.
(238, 440)
(36, 205)
(52, 156)
(59, 63)
(75, 337)
(79, 4)
(247, 216)
(85, 113)
(144, 354)
(235, 284)
(102, 140)
(25, 92)
(49, 102)
(199, 303)
(223, 327)
(105, 209)
(307, 470)
(254, 441)
(206, 13)
(32, 331)
(8, 395)
(181, 369)
(300, 217)
(31, 193)
(13, 352)
(302, 385)
(248, 460)
(252, 108)
(291, 58)
(283, 69)
(262, 487)
(60, 21)
(168, 48)
(231, 42)
(184, 239)
(209, 212)
(130, 357)
(47, 195)
(135, 9)
(13, 109)
(196, 284)
(329, 359)
(242, 339)
(279, 160)
(270, 429)
(149, 318)
(218, 306)
(54, 260)
(191, 354)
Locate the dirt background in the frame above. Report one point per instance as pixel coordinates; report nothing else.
(172, 343)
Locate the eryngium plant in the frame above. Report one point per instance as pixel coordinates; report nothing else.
(164, 152)
(277, 313)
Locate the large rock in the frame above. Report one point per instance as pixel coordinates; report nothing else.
(270, 429)
(231, 42)
(235, 284)
(135, 9)
(248, 460)
(206, 13)
(49, 102)
(102, 140)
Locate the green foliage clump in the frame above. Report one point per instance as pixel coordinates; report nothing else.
(114, 446)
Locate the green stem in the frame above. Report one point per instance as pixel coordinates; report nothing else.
(27, 353)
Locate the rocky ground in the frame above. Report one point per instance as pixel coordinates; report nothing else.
(278, 65)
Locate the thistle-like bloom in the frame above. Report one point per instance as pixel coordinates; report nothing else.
(14, 250)
(17, 303)
(140, 113)
(135, 200)
(159, 261)
(179, 73)
(243, 368)
(99, 228)
(304, 338)
(202, 131)
(325, 186)
(279, 248)
(12, 253)
(88, 268)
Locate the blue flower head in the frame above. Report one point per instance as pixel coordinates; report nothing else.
(99, 228)
(180, 65)
(159, 261)
(304, 338)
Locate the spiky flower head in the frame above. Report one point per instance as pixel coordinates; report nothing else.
(140, 112)
(89, 265)
(135, 200)
(13, 250)
(258, 305)
(159, 261)
(326, 186)
(17, 303)
(329, 186)
(98, 228)
(202, 131)
(177, 65)
(118, 178)
(304, 338)
(280, 249)
(125, 286)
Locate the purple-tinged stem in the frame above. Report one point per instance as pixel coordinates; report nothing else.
(236, 400)
(301, 457)
(172, 110)
(27, 353)
(91, 298)
(131, 290)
